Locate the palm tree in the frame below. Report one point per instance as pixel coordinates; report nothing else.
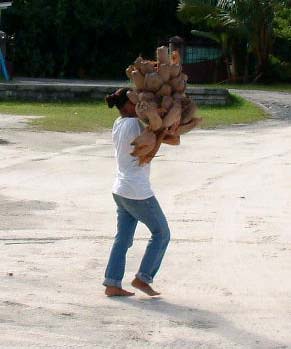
(249, 21)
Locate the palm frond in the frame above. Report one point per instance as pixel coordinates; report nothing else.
(227, 4)
(211, 3)
(208, 35)
(194, 13)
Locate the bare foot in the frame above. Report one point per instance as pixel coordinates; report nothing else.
(113, 291)
(144, 287)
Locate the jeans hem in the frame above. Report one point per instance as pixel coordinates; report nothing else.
(111, 282)
(144, 277)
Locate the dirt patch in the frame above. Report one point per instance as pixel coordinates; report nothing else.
(4, 142)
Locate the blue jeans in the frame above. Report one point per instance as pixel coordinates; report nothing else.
(129, 212)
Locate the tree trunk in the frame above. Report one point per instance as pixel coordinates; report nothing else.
(263, 51)
(234, 72)
(246, 68)
(226, 60)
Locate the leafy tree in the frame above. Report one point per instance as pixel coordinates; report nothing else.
(240, 21)
(90, 39)
(282, 23)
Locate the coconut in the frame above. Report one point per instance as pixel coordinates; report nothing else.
(160, 102)
(138, 79)
(188, 112)
(132, 96)
(164, 71)
(175, 70)
(167, 102)
(172, 139)
(148, 111)
(178, 84)
(163, 55)
(184, 128)
(173, 116)
(179, 96)
(165, 90)
(138, 62)
(146, 96)
(144, 143)
(175, 57)
(153, 82)
(146, 67)
(129, 71)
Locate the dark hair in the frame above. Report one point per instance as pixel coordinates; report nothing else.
(118, 98)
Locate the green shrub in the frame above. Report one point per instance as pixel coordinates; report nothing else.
(87, 39)
(280, 70)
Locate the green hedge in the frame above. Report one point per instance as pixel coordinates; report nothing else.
(87, 39)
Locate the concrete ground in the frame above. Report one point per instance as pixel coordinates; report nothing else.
(225, 280)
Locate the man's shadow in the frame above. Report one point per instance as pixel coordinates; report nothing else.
(204, 320)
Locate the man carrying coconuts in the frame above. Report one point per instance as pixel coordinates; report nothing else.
(156, 111)
(135, 202)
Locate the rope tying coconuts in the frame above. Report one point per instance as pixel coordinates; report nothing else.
(160, 102)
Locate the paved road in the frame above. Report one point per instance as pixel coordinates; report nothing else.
(225, 279)
(278, 104)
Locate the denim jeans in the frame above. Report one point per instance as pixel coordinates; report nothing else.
(129, 212)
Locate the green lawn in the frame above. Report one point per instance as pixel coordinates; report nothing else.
(272, 87)
(239, 111)
(94, 116)
(64, 116)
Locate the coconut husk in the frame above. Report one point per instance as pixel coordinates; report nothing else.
(172, 139)
(167, 102)
(138, 79)
(129, 71)
(188, 113)
(153, 82)
(148, 112)
(163, 55)
(146, 96)
(146, 67)
(173, 116)
(164, 71)
(132, 96)
(144, 143)
(178, 96)
(138, 62)
(175, 70)
(184, 128)
(175, 57)
(184, 77)
(178, 84)
(165, 90)
(161, 102)
(142, 150)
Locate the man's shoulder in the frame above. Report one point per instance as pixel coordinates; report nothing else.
(126, 127)
(129, 123)
(126, 120)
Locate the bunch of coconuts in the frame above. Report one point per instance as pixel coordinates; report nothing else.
(160, 102)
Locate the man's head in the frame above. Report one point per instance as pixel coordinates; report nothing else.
(120, 100)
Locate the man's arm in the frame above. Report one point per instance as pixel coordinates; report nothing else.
(148, 158)
(171, 131)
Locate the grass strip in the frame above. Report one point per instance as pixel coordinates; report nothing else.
(95, 116)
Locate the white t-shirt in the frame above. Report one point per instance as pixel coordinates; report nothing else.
(132, 181)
